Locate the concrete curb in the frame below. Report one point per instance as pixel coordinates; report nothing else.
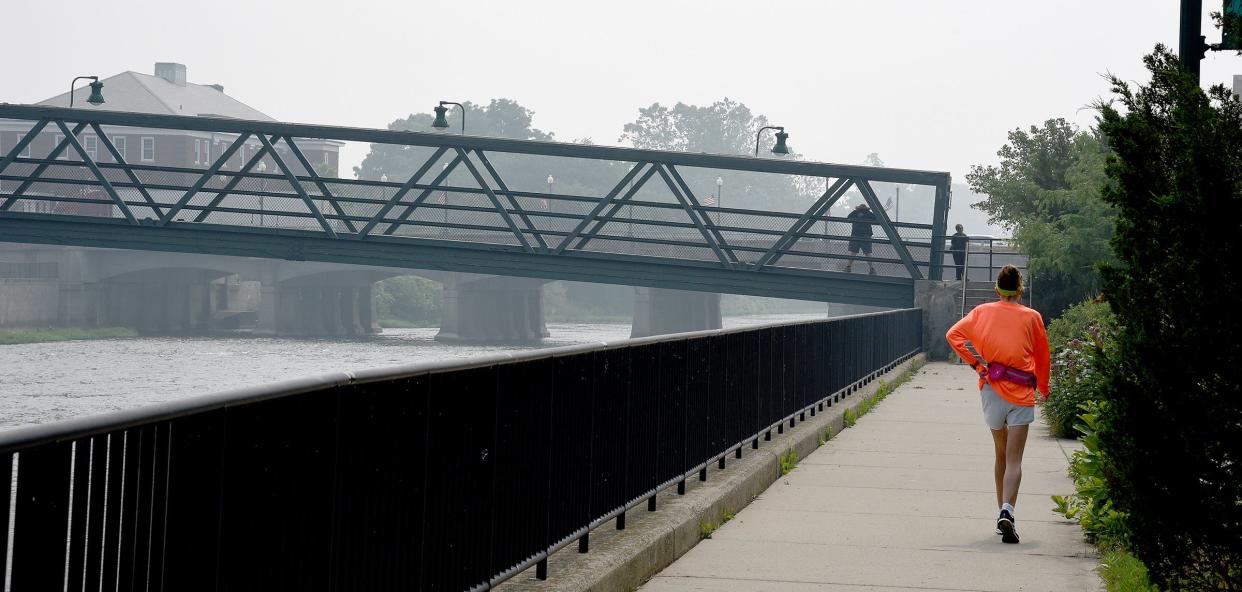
(623, 560)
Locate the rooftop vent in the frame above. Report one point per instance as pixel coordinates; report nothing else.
(171, 71)
(219, 87)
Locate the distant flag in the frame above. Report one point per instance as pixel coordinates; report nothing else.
(709, 200)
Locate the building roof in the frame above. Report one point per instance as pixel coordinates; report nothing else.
(144, 93)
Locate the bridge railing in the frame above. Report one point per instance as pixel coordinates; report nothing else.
(521, 196)
(448, 476)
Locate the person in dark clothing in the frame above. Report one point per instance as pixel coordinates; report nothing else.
(957, 246)
(861, 218)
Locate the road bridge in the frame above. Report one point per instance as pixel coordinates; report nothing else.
(637, 220)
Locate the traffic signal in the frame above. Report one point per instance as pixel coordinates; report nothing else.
(1232, 21)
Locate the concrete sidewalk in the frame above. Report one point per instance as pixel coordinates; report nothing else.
(904, 500)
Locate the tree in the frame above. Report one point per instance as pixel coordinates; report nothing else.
(501, 118)
(724, 127)
(1174, 386)
(1047, 190)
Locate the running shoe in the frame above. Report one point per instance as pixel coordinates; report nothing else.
(1009, 533)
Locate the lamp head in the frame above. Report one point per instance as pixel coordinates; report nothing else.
(720, 181)
(96, 97)
(383, 177)
(262, 167)
(780, 147)
(441, 121)
(551, 180)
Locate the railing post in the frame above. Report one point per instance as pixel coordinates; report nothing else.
(940, 223)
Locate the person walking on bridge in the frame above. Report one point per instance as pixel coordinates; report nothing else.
(1014, 346)
(860, 234)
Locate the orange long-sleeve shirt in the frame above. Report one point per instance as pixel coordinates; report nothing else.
(1011, 334)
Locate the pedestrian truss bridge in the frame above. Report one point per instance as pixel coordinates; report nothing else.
(550, 210)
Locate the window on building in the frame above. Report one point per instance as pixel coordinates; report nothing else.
(64, 154)
(119, 143)
(148, 149)
(198, 151)
(206, 151)
(25, 151)
(91, 145)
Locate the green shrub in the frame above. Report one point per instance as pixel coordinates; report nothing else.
(1075, 338)
(850, 418)
(1091, 504)
(1171, 431)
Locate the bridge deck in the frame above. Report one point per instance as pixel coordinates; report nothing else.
(904, 500)
(473, 204)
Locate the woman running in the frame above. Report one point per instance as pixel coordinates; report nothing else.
(1011, 340)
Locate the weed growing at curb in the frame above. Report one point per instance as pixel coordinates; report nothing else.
(789, 460)
(706, 529)
(828, 434)
(850, 418)
(729, 514)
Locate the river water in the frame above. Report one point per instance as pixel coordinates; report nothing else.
(45, 382)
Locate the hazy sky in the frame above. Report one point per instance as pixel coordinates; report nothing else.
(926, 84)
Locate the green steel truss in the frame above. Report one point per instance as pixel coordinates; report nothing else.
(456, 212)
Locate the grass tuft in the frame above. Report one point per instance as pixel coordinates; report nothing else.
(789, 460)
(1123, 572)
(706, 529)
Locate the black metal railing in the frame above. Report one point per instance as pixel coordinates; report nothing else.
(446, 476)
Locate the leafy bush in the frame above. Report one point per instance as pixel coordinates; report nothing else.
(1092, 504)
(1170, 432)
(1081, 333)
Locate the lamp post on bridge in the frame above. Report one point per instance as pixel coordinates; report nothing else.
(441, 122)
(781, 136)
(720, 200)
(262, 192)
(96, 97)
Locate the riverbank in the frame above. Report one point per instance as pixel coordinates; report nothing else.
(52, 334)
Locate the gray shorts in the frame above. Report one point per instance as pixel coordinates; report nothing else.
(999, 413)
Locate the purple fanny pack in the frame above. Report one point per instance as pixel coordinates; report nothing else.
(999, 371)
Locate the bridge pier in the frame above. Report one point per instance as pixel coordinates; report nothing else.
(316, 310)
(660, 312)
(492, 309)
(168, 302)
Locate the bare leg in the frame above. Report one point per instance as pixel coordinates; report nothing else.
(999, 438)
(1014, 447)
